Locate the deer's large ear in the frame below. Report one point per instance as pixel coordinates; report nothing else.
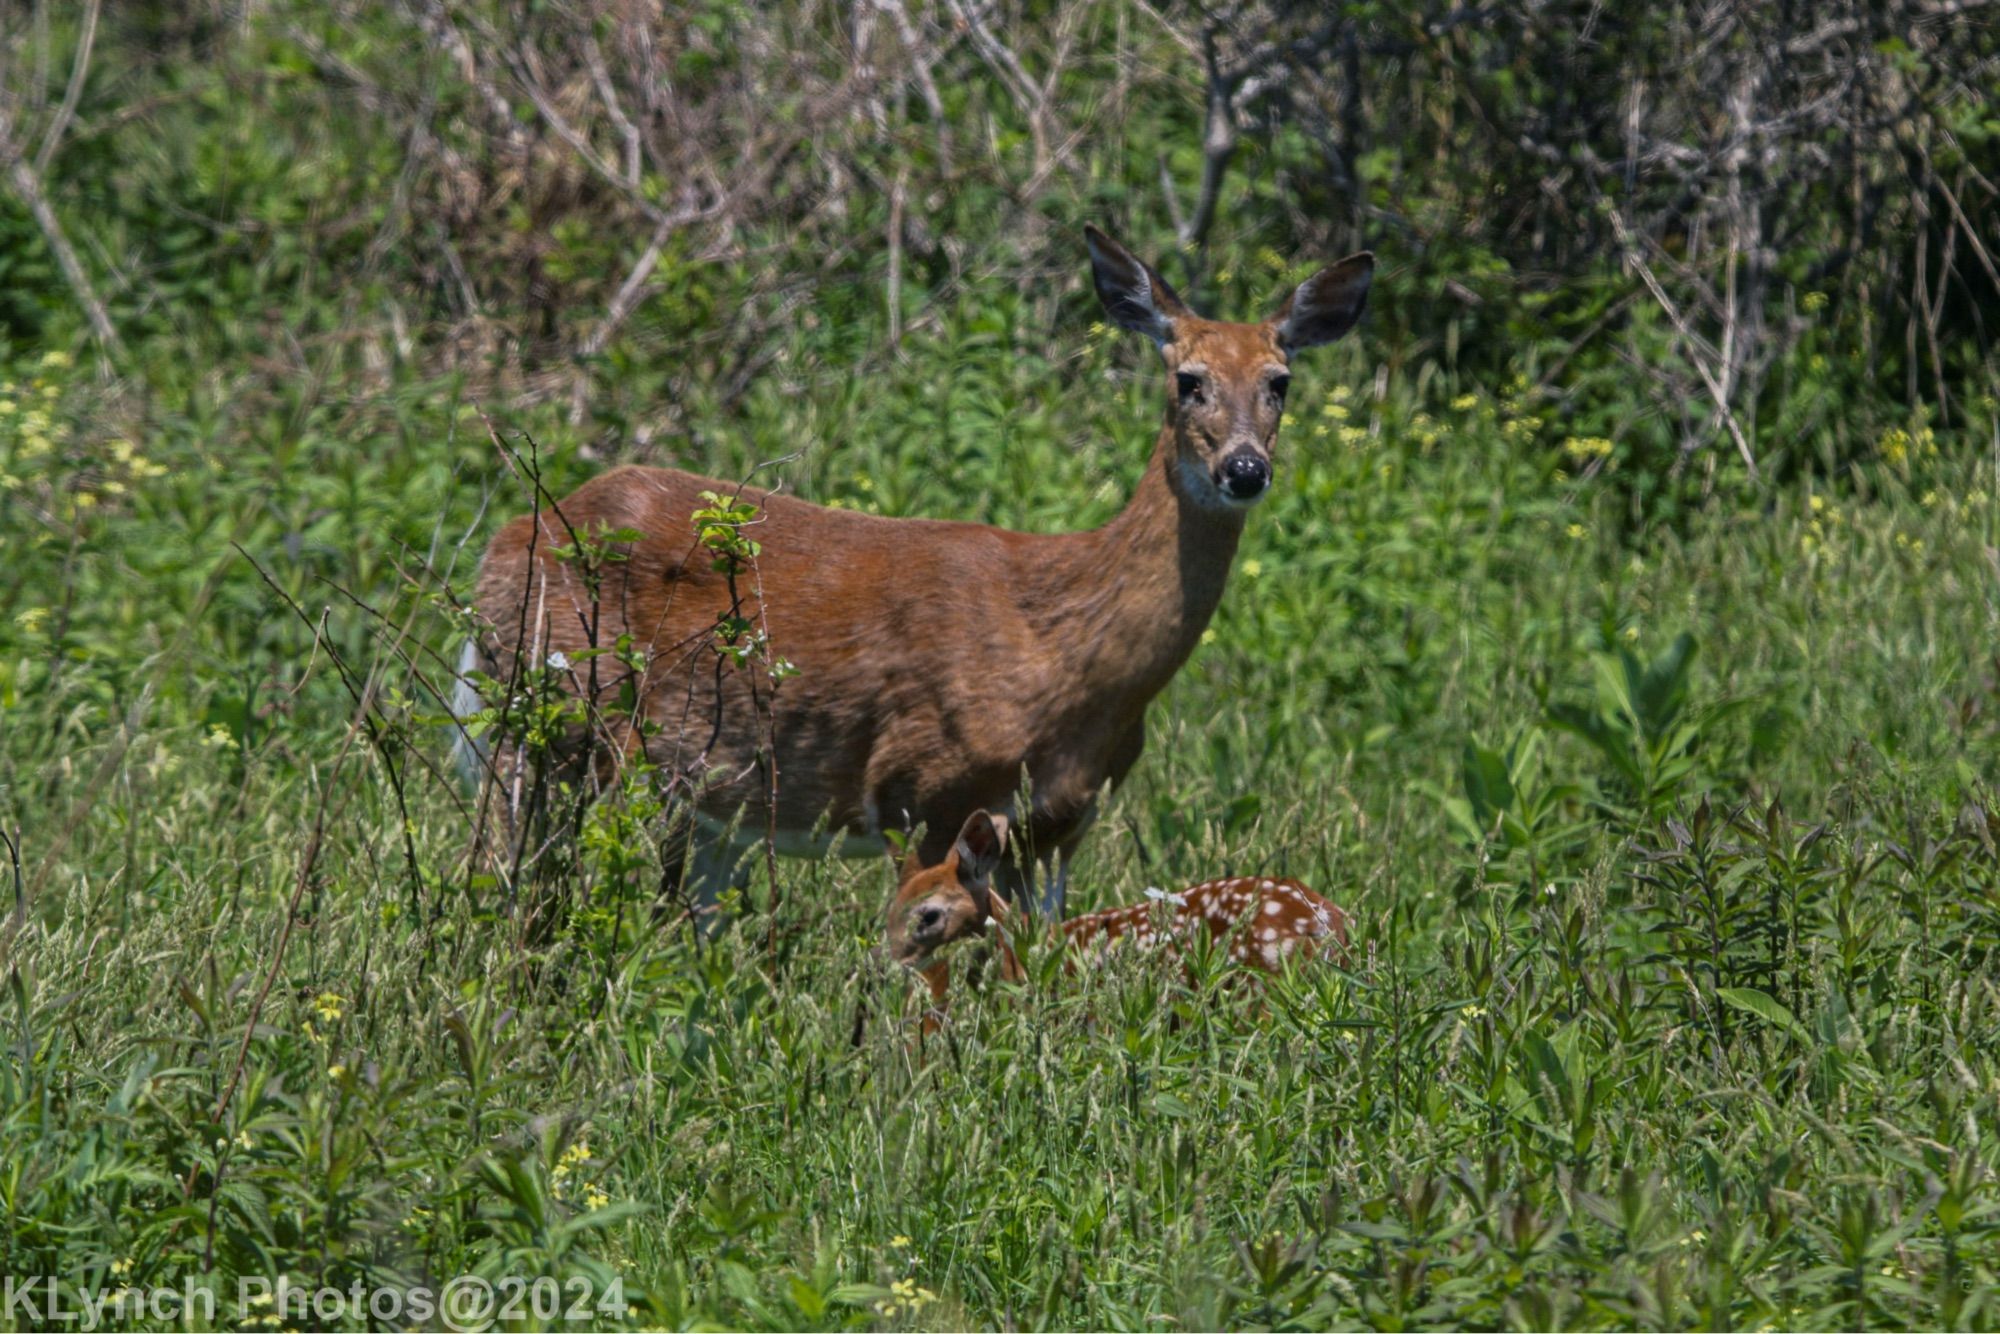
(979, 848)
(1133, 293)
(1326, 305)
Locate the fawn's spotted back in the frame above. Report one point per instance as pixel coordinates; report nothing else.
(1263, 921)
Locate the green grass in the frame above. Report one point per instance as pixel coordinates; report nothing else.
(1673, 1002)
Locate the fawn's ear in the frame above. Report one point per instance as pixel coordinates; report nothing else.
(1132, 292)
(981, 843)
(907, 865)
(1326, 305)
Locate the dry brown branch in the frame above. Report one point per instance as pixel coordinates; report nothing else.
(1693, 341)
(79, 67)
(27, 184)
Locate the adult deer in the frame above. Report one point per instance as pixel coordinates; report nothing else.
(1259, 920)
(935, 661)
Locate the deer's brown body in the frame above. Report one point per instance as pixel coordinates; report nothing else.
(875, 732)
(935, 661)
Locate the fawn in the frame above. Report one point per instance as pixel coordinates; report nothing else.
(1263, 919)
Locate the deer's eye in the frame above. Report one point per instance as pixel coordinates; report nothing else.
(1279, 384)
(1189, 384)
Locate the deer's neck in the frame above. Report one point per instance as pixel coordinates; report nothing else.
(1126, 604)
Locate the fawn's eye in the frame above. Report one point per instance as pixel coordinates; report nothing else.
(1279, 384)
(1189, 383)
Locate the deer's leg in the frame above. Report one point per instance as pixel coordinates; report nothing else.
(1035, 881)
(697, 865)
(717, 865)
(1054, 901)
(1015, 879)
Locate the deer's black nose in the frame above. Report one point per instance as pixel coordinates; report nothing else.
(1245, 475)
(930, 917)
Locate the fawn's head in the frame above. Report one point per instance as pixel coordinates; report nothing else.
(1226, 382)
(935, 906)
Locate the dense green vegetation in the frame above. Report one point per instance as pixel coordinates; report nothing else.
(1660, 790)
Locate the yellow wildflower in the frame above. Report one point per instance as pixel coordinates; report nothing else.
(905, 1296)
(1465, 403)
(1253, 568)
(1577, 531)
(330, 1007)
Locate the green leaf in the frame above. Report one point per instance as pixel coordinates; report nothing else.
(1662, 688)
(1764, 1006)
(1487, 785)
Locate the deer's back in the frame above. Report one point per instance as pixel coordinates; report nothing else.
(910, 672)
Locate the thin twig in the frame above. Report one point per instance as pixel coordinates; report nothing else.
(67, 111)
(28, 185)
(308, 860)
(1673, 315)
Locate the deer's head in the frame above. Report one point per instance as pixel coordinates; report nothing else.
(951, 901)
(1226, 382)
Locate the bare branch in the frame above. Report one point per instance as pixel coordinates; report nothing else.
(52, 137)
(27, 185)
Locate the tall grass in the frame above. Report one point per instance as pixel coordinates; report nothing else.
(1673, 1003)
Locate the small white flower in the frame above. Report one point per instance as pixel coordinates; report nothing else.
(1549, 891)
(559, 661)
